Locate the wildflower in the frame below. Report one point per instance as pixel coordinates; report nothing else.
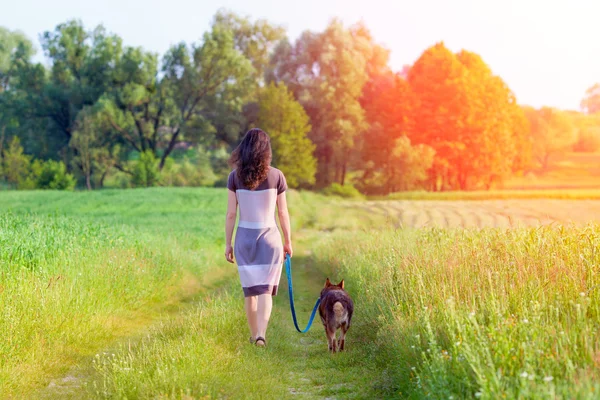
(478, 394)
(548, 378)
(582, 294)
(523, 374)
(525, 321)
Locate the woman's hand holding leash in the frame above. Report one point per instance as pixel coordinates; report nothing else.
(287, 249)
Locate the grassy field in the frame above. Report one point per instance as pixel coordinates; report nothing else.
(82, 271)
(508, 194)
(88, 268)
(483, 213)
(574, 176)
(124, 294)
(488, 314)
(565, 171)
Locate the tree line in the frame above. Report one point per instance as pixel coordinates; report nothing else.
(107, 114)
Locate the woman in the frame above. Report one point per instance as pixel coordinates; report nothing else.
(257, 188)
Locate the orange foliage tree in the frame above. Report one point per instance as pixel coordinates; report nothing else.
(468, 116)
(552, 131)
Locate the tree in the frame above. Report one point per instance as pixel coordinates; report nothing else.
(438, 81)
(552, 131)
(82, 71)
(155, 115)
(286, 122)
(95, 151)
(256, 41)
(387, 101)
(327, 72)
(53, 175)
(47, 103)
(213, 73)
(406, 168)
(145, 172)
(588, 132)
(15, 48)
(15, 164)
(591, 102)
(409, 167)
(12, 43)
(468, 115)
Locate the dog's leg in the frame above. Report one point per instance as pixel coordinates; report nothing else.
(344, 328)
(329, 342)
(331, 337)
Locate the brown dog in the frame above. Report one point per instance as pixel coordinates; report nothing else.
(336, 310)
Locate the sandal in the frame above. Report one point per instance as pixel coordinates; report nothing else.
(262, 339)
(252, 340)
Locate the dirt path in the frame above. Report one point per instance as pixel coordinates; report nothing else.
(312, 371)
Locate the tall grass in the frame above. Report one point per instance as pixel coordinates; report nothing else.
(81, 270)
(88, 268)
(487, 314)
(439, 313)
(67, 286)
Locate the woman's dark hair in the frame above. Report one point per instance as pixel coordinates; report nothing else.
(252, 158)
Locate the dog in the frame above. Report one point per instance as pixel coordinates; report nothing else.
(335, 310)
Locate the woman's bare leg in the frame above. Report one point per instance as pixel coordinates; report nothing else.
(251, 308)
(265, 304)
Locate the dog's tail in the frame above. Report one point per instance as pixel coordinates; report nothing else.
(340, 312)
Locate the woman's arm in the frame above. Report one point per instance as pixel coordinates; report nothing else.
(229, 224)
(284, 221)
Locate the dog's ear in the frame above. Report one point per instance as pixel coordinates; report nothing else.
(341, 284)
(327, 283)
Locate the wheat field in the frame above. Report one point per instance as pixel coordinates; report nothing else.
(484, 213)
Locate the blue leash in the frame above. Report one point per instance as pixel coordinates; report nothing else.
(288, 271)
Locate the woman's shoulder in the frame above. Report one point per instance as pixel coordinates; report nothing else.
(278, 180)
(232, 183)
(275, 171)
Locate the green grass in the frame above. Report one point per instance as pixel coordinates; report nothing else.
(67, 286)
(92, 267)
(87, 270)
(489, 314)
(205, 353)
(124, 294)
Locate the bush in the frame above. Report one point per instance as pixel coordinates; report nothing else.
(588, 142)
(145, 172)
(346, 191)
(195, 171)
(21, 172)
(51, 175)
(15, 164)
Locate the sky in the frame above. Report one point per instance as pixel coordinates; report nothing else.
(547, 51)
